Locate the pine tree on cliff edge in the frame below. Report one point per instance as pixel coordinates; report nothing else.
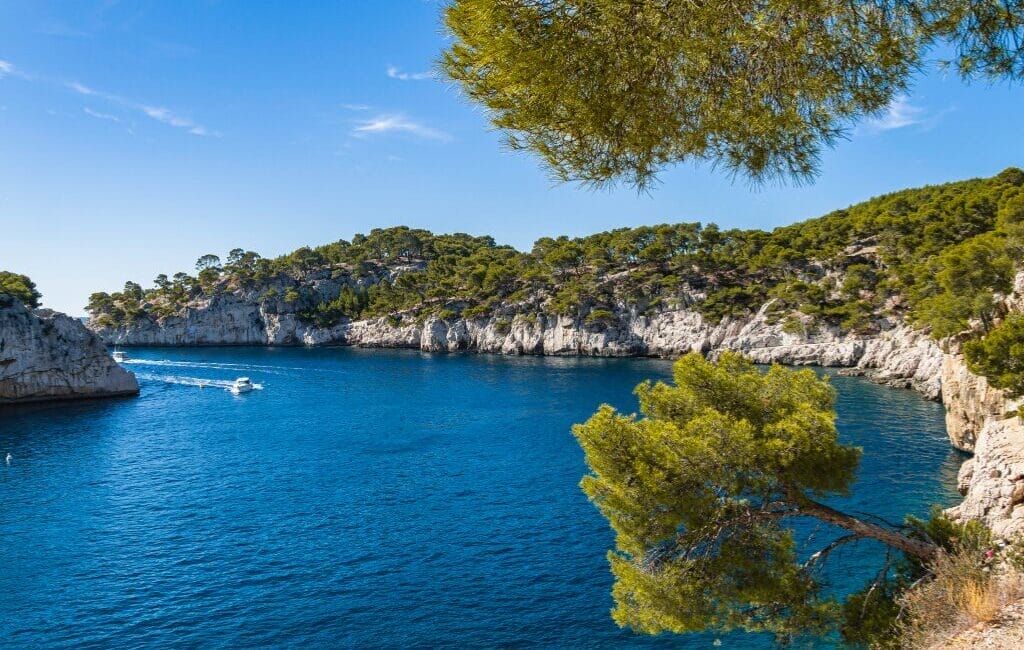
(700, 489)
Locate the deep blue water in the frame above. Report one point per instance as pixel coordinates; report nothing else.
(361, 499)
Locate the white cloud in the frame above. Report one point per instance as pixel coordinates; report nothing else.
(158, 113)
(101, 116)
(355, 107)
(165, 116)
(82, 89)
(898, 114)
(395, 73)
(384, 124)
(8, 69)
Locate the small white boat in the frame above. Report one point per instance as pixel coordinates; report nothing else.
(119, 356)
(241, 385)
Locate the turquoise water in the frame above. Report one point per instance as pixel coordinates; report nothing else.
(360, 499)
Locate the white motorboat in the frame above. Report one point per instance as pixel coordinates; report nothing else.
(241, 385)
(118, 356)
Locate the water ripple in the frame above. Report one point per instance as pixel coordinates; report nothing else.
(362, 499)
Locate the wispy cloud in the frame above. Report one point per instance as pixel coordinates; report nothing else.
(167, 117)
(101, 116)
(900, 113)
(395, 73)
(356, 107)
(158, 113)
(8, 69)
(384, 124)
(82, 89)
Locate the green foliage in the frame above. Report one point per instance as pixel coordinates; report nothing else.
(208, 261)
(603, 91)
(502, 326)
(792, 324)
(19, 286)
(961, 284)
(292, 295)
(350, 303)
(870, 616)
(937, 256)
(732, 301)
(1000, 355)
(599, 318)
(697, 488)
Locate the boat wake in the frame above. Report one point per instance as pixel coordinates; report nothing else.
(212, 365)
(199, 382)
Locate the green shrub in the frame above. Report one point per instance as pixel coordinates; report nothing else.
(599, 317)
(731, 301)
(20, 287)
(793, 324)
(503, 326)
(1000, 355)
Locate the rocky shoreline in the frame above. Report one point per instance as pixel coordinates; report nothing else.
(979, 419)
(46, 355)
(897, 354)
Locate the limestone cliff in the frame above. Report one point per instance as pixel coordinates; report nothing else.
(981, 419)
(984, 420)
(45, 355)
(893, 353)
(896, 355)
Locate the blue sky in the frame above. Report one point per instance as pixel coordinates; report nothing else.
(136, 136)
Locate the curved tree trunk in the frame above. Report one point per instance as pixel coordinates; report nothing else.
(918, 548)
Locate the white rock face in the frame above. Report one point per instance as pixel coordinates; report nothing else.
(993, 480)
(45, 355)
(982, 419)
(899, 356)
(970, 402)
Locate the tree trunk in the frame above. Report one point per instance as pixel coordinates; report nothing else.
(918, 548)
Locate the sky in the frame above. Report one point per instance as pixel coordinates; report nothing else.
(137, 136)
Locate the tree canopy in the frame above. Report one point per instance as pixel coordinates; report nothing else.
(940, 257)
(20, 287)
(702, 490)
(1000, 355)
(606, 90)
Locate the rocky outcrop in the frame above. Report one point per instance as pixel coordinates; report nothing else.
(982, 420)
(897, 355)
(979, 418)
(45, 355)
(970, 402)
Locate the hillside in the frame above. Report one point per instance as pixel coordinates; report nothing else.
(938, 259)
(895, 254)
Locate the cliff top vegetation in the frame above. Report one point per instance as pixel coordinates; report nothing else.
(941, 257)
(14, 285)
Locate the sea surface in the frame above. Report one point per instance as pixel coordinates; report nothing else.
(360, 498)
